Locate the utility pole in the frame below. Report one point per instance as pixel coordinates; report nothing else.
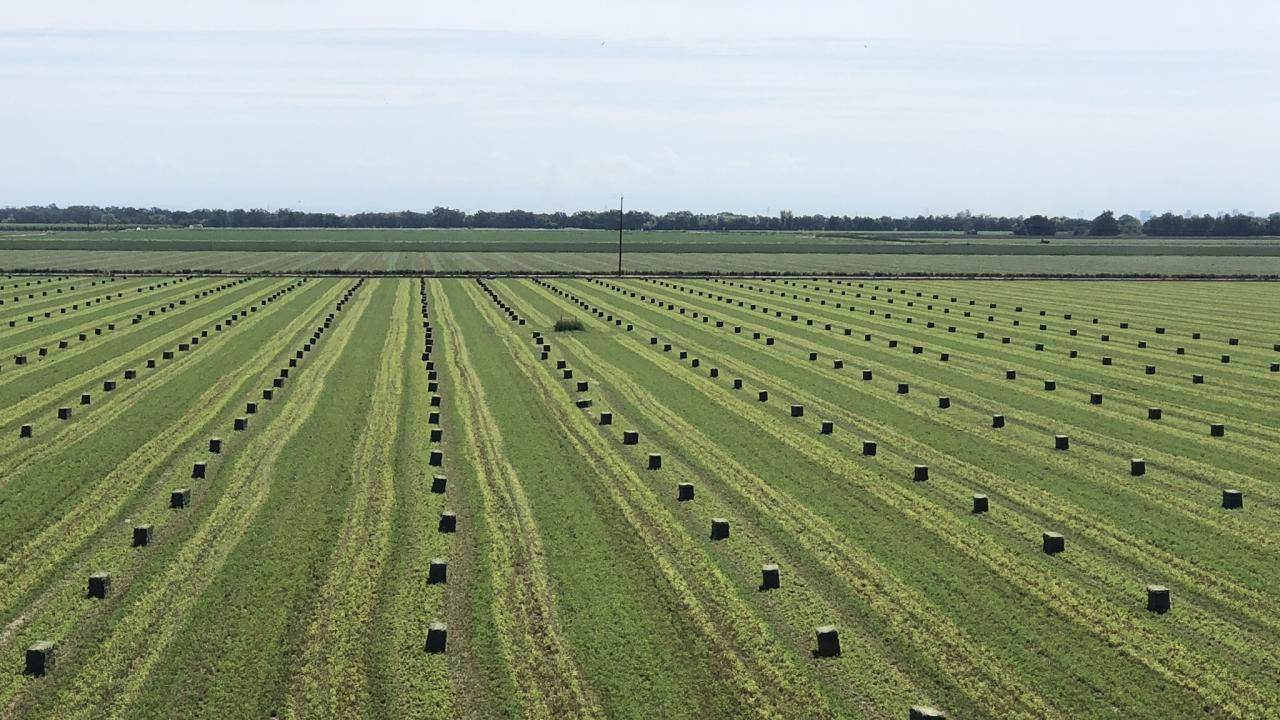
(620, 236)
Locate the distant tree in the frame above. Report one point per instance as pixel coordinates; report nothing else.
(1037, 225)
(1105, 225)
(1130, 225)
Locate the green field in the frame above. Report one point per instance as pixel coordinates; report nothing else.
(585, 251)
(295, 582)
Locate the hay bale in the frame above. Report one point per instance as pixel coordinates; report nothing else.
(714, 372)
(684, 492)
(924, 712)
(828, 427)
(655, 461)
(1150, 369)
(770, 578)
(630, 437)
(866, 374)
(737, 383)
(448, 522)
(1197, 379)
(869, 447)
(142, 535)
(997, 421)
(944, 402)
(1053, 543)
(437, 571)
(198, 470)
(1010, 374)
(1154, 413)
(904, 388)
(99, 585)
(436, 434)
(606, 418)
(828, 641)
(797, 411)
(719, 528)
(86, 399)
(763, 396)
(268, 393)
(1157, 599)
(1232, 499)
(1061, 442)
(436, 458)
(24, 431)
(582, 386)
(1106, 359)
(813, 356)
(240, 423)
(1137, 466)
(1095, 398)
(1050, 385)
(251, 408)
(920, 473)
(980, 503)
(437, 637)
(130, 374)
(439, 483)
(1226, 359)
(277, 382)
(1217, 430)
(39, 658)
(64, 413)
(1142, 344)
(180, 498)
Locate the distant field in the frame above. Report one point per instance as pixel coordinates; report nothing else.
(397, 452)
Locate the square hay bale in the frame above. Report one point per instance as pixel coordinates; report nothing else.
(763, 396)
(920, 473)
(1010, 374)
(267, 393)
(130, 374)
(737, 383)
(436, 458)
(24, 431)
(714, 372)
(797, 411)
(1226, 359)
(1217, 430)
(436, 434)
(944, 402)
(1154, 413)
(1053, 543)
(630, 437)
(1050, 385)
(1039, 347)
(437, 571)
(770, 577)
(448, 522)
(1106, 359)
(198, 470)
(99, 585)
(582, 386)
(1180, 350)
(180, 498)
(1142, 344)
(64, 413)
(980, 503)
(151, 363)
(924, 712)
(893, 343)
(277, 382)
(1095, 398)
(240, 424)
(39, 658)
(1157, 599)
(828, 427)
(719, 528)
(997, 421)
(606, 418)
(435, 401)
(142, 535)
(439, 483)
(869, 447)
(1232, 499)
(437, 637)
(684, 492)
(1061, 442)
(251, 408)
(768, 341)
(828, 641)
(1150, 369)
(86, 399)
(904, 388)
(1197, 379)
(655, 461)
(813, 356)
(1137, 467)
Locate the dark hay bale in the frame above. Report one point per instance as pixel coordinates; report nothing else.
(866, 374)
(86, 399)
(606, 418)
(240, 423)
(828, 427)
(1095, 398)
(142, 535)
(1217, 430)
(448, 522)
(980, 503)
(828, 641)
(944, 402)
(436, 459)
(1154, 413)
(198, 470)
(630, 437)
(1137, 466)
(1197, 379)
(1053, 543)
(763, 396)
(436, 434)
(770, 578)
(437, 637)
(737, 383)
(797, 411)
(1106, 359)
(655, 461)
(1157, 599)
(1232, 499)
(439, 483)
(719, 528)
(1226, 359)
(1061, 442)
(869, 447)
(920, 473)
(904, 388)
(180, 498)
(684, 492)
(1010, 374)
(1050, 385)
(997, 421)
(1150, 370)
(437, 571)
(39, 658)
(24, 431)
(268, 393)
(99, 585)
(251, 408)
(64, 413)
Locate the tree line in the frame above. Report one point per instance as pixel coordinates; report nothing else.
(1104, 225)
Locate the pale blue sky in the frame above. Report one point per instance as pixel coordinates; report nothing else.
(1002, 106)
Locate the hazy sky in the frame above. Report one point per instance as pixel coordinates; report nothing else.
(1002, 106)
